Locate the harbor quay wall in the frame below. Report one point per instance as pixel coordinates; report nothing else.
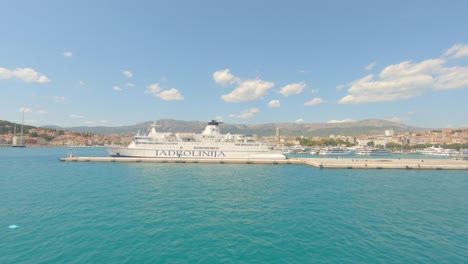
(421, 164)
(322, 163)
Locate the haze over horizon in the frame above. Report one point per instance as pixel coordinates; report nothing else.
(90, 63)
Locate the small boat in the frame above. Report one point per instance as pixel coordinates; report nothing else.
(288, 151)
(314, 151)
(18, 142)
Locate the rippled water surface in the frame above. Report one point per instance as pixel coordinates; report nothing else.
(190, 213)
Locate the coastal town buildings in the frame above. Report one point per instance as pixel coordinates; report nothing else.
(431, 137)
(54, 137)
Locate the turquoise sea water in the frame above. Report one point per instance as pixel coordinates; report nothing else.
(198, 213)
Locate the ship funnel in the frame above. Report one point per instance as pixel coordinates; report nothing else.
(212, 128)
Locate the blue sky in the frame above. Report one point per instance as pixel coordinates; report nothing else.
(111, 63)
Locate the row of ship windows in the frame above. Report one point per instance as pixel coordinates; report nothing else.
(175, 143)
(157, 143)
(211, 149)
(205, 148)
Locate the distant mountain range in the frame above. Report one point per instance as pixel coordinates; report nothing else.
(369, 126)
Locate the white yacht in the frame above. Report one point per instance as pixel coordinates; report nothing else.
(314, 151)
(433, 151)
(371, 151)
(210, 144)
(335, 151)
(288, 151)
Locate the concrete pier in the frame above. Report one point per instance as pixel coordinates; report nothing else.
(417, 164)
(323, 163)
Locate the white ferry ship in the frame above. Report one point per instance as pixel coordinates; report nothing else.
(210, 144)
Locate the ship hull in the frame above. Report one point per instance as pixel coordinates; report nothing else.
(194, 154)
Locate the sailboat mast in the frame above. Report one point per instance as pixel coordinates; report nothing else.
(22, 123)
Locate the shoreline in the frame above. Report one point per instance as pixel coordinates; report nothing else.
(321, 163)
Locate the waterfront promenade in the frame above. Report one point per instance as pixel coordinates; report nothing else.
(323, 163)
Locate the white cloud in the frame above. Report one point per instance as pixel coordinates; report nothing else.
(76, 116)
(24, 74)
(225, 77)
(395, 119)
(59, 99)
(170, 95)
(219, 118)
(41, 112)
(274, 104)
(452, 78)
(25, 110)
(314, 91)
(249, 90)
(406, 80)
(167, 95)
(127, 73)
(315, 101)
(67, 54)
(340, 87)
(153, 89)
(457, 51)
(117, 88)
(104, 121)
(370, 66)
(81, 83)
(294, 88)
(341, 121)
(89, 122)
(299, 121)
(129, 84)
(411, 112)
(247, 114)
(5, 73)
(408, 68)
(366, 90)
